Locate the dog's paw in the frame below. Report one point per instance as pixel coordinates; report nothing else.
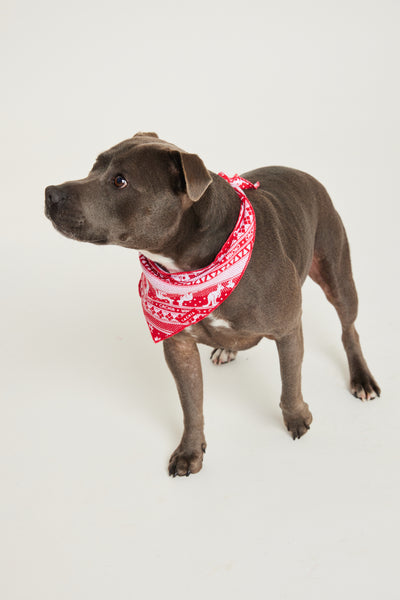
(221, 356)
(186, 461)
(299, 423)
(365, 387)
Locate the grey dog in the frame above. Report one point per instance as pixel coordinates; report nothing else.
(149, 195)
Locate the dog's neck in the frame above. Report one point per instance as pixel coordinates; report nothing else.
(204, 229)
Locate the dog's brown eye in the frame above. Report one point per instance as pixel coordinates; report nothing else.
(120, 181)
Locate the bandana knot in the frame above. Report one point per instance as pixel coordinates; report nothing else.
(238, 183)
(173, 301)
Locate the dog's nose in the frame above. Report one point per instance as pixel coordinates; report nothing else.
(53, 195)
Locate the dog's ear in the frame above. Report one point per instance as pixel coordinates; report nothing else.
(194, 177)
(146, 134)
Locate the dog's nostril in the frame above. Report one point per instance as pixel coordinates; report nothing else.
(53, 195)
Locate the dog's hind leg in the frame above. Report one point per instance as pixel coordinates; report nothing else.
(331, 269)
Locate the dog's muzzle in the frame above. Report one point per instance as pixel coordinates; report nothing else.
(61, 209)
(65, 212)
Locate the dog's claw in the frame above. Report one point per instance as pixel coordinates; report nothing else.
(298, 423)
(365, 388)
(185, 462)
(222, 356)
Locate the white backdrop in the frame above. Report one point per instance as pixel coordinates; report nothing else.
(89, 410)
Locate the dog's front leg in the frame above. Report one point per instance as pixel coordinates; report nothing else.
(295, 411)
(183, 359)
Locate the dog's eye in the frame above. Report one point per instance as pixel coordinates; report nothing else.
(120, 181)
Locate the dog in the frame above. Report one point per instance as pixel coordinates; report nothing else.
(149, 195)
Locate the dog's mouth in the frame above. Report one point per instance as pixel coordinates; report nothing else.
(79, 236)
(75, 230)
(99, 242)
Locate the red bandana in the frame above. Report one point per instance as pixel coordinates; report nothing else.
(173, 301)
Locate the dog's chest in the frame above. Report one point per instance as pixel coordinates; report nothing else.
(218, 331)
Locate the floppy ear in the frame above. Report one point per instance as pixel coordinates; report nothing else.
(195, 176)
(146, 134)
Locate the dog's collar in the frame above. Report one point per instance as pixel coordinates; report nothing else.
(173, 301)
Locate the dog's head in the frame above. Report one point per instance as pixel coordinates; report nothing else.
(134, 196)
